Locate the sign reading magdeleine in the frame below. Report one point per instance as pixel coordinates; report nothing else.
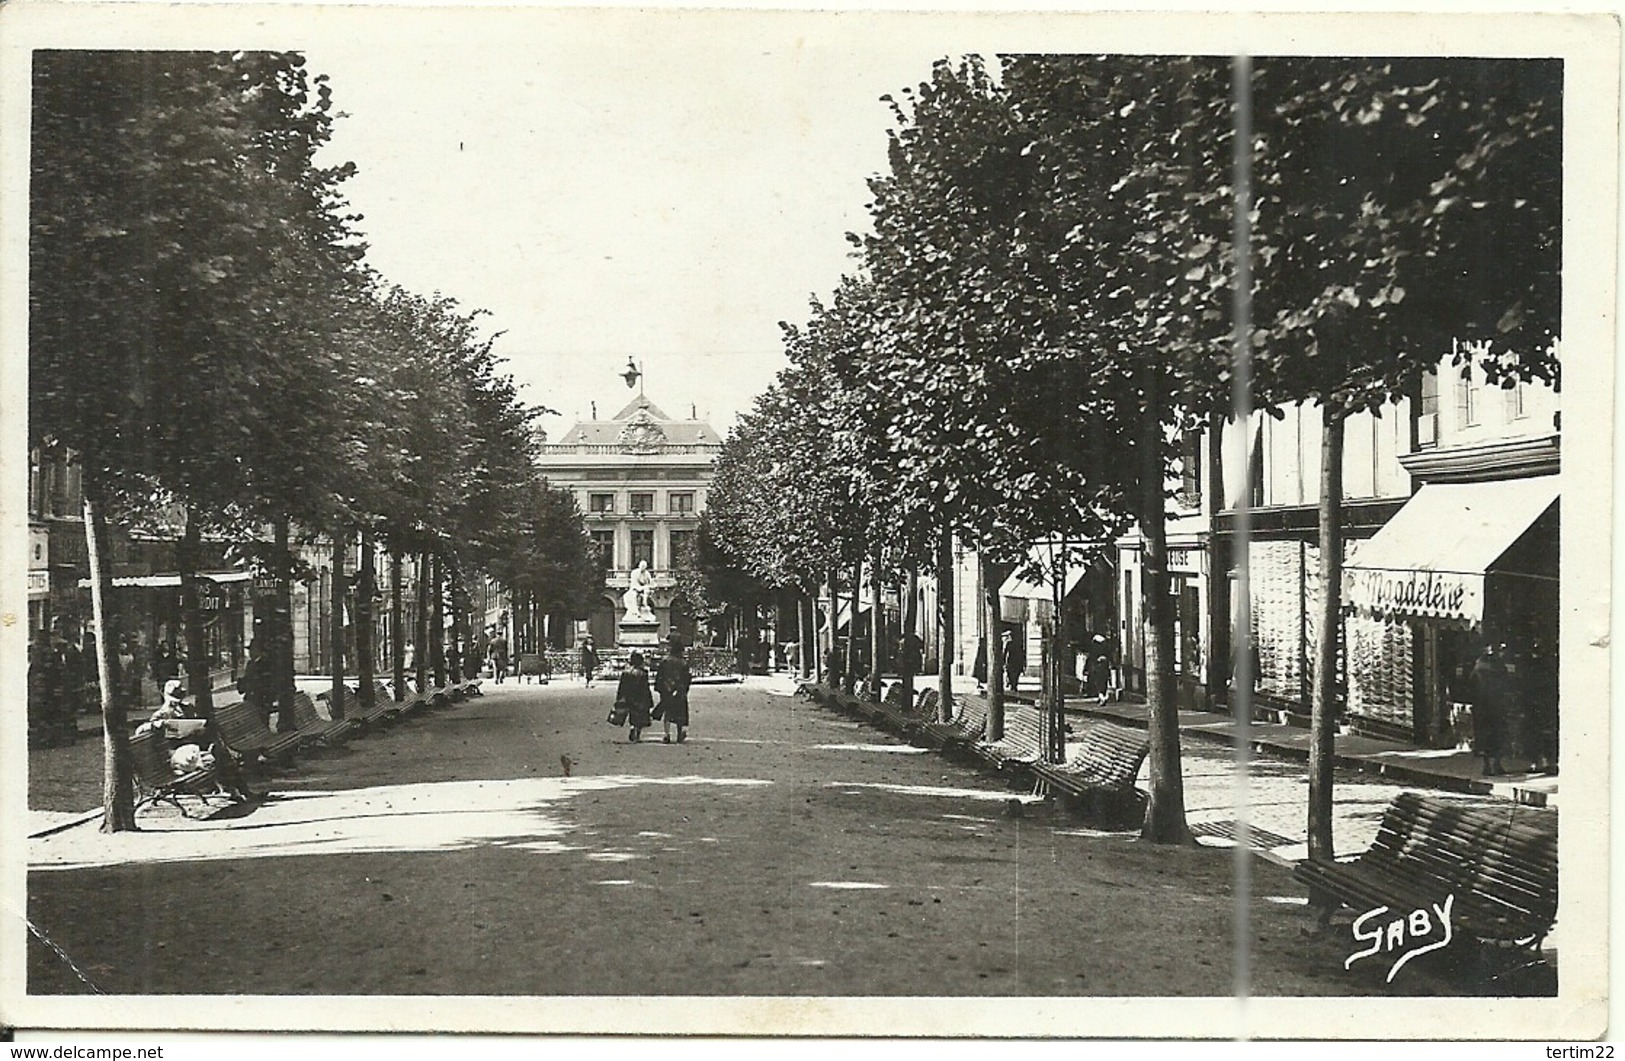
(1437, 594)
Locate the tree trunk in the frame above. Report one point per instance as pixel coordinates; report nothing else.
(335, 695)
(1055, 672)
(828, 659)
(802, 629)
(397, 642)
(1165, 810)
(995, 657)
(118, 771)
(364, 650)
(197, 659)
(945, 624)
(420, 633)
(849, 685)
(280, 658)
(520, 616)
(437, 619)
(877, 621)
(907, 635)
(1323, 705)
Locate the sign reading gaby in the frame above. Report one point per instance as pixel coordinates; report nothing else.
(1439, 594)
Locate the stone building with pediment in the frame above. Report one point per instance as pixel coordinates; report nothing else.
(640, 478)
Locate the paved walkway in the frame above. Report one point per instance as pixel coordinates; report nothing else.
(1451, 770)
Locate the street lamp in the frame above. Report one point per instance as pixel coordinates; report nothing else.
(632, 375)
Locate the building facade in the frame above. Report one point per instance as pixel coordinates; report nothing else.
(640, 479)
(1450, 523)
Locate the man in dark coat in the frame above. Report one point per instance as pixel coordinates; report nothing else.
(1490, 687)
(672, 679)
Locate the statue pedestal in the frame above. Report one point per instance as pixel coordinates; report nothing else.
(637, 633)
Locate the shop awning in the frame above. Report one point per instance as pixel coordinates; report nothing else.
(1020, 588)
(1431, 559)
(845, 611)
(172, 581)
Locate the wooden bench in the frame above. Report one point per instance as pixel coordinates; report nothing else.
(157, 780)
(1499, 862)
(312, 728)
(384, 708)
(1103, 769)
(533, 666)
(894, 712)
(1023, 740)
(245, 733)
(967, 727)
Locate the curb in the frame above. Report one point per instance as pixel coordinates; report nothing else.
(1405, 774)
(88, 816)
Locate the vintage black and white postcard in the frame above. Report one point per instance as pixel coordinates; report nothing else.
(718, 522)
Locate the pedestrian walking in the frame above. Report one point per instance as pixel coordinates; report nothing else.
(44, 687)
(128, 681)
(1539, 729)
(165, 665)
(672, 679)
(499, 656)
(1014, 659)
(979, 669)
(254, 684)
(632, 697)
(1098, 675)
(589, 660)
(1489, 687)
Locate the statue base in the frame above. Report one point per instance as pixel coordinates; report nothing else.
(637, 633)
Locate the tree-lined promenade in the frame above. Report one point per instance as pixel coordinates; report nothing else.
(206, 337)
(1070, 261)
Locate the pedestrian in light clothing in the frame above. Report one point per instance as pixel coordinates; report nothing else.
(632, 695)
(672, 679)
(499, 656)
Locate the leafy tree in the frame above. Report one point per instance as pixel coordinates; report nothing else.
(1401, 205)
(171, 217)
(977, 383)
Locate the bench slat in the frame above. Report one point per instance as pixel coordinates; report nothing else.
(1500, 864)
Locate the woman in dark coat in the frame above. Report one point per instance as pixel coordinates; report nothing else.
(589, 661)
(672, 679)
(633, 694)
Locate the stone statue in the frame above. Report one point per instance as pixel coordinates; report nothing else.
(636, 600)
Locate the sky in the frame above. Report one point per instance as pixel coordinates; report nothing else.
(654, 190)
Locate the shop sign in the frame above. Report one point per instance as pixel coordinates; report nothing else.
(1430, 594)
(1185, 559)
(39, 584)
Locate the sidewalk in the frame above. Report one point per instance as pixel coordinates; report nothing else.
(1448, 769)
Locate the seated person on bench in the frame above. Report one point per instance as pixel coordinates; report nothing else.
(175, 721)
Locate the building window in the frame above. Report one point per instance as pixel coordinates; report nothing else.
(1190, 470)
(681, 542)
(643, 547)
(641, 502)
(1466, 398)
(605, 540)
(682, 504)
(1516, 397)
(601, 503)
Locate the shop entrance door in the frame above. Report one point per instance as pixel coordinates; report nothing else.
(1186, 601)
(1442, 717)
